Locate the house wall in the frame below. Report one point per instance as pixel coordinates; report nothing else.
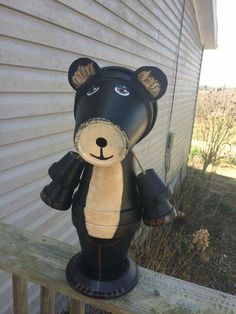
(185, 92)
(38, 41)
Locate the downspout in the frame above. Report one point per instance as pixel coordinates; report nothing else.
(168, 146)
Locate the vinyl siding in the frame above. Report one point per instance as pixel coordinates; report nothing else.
(38, 41)
(189, 64)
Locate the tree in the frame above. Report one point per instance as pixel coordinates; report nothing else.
(215, 128)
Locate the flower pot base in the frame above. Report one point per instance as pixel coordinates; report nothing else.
(118, 285)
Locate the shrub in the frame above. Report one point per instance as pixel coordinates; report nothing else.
(183, 249)
(195, 151)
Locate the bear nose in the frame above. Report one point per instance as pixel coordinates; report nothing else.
(101, 142)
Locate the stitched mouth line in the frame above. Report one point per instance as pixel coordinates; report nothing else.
(101, 157)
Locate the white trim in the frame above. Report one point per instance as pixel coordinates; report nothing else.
(207, 22)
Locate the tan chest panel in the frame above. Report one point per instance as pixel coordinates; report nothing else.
(104, 198)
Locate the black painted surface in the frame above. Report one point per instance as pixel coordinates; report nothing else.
(117, 96)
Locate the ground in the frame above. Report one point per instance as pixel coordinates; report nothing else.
(200, 245)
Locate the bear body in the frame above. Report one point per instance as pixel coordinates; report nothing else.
(114, 109)
(106, 202)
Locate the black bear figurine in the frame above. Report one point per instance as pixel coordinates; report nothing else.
(114, 109)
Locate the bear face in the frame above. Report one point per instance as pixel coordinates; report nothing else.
(114, 108)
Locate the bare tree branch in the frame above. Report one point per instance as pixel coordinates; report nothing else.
(215, 124)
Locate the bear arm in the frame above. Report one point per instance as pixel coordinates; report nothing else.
(65, 176)
(154, 199)
(165, 220)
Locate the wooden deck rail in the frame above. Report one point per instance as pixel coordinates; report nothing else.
(30, 257)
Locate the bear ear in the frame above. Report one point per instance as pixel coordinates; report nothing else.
(153, 79)
(81, 70)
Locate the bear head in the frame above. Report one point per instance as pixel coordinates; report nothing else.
(114, 108)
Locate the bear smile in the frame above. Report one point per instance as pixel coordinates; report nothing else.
(101, 157)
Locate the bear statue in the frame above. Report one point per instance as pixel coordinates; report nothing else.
(114, 109)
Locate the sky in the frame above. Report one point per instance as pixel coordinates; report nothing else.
(219, 66)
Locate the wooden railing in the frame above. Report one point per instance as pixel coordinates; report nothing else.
(30, 257)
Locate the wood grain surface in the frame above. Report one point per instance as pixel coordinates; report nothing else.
(43, 261)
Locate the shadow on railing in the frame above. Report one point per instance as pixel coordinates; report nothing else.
(30, 257)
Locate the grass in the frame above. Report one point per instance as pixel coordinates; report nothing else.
(200, 245)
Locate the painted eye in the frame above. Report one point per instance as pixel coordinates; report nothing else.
(123, 91)
(92, 90)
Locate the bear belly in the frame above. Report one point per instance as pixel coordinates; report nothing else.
(103, 201)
